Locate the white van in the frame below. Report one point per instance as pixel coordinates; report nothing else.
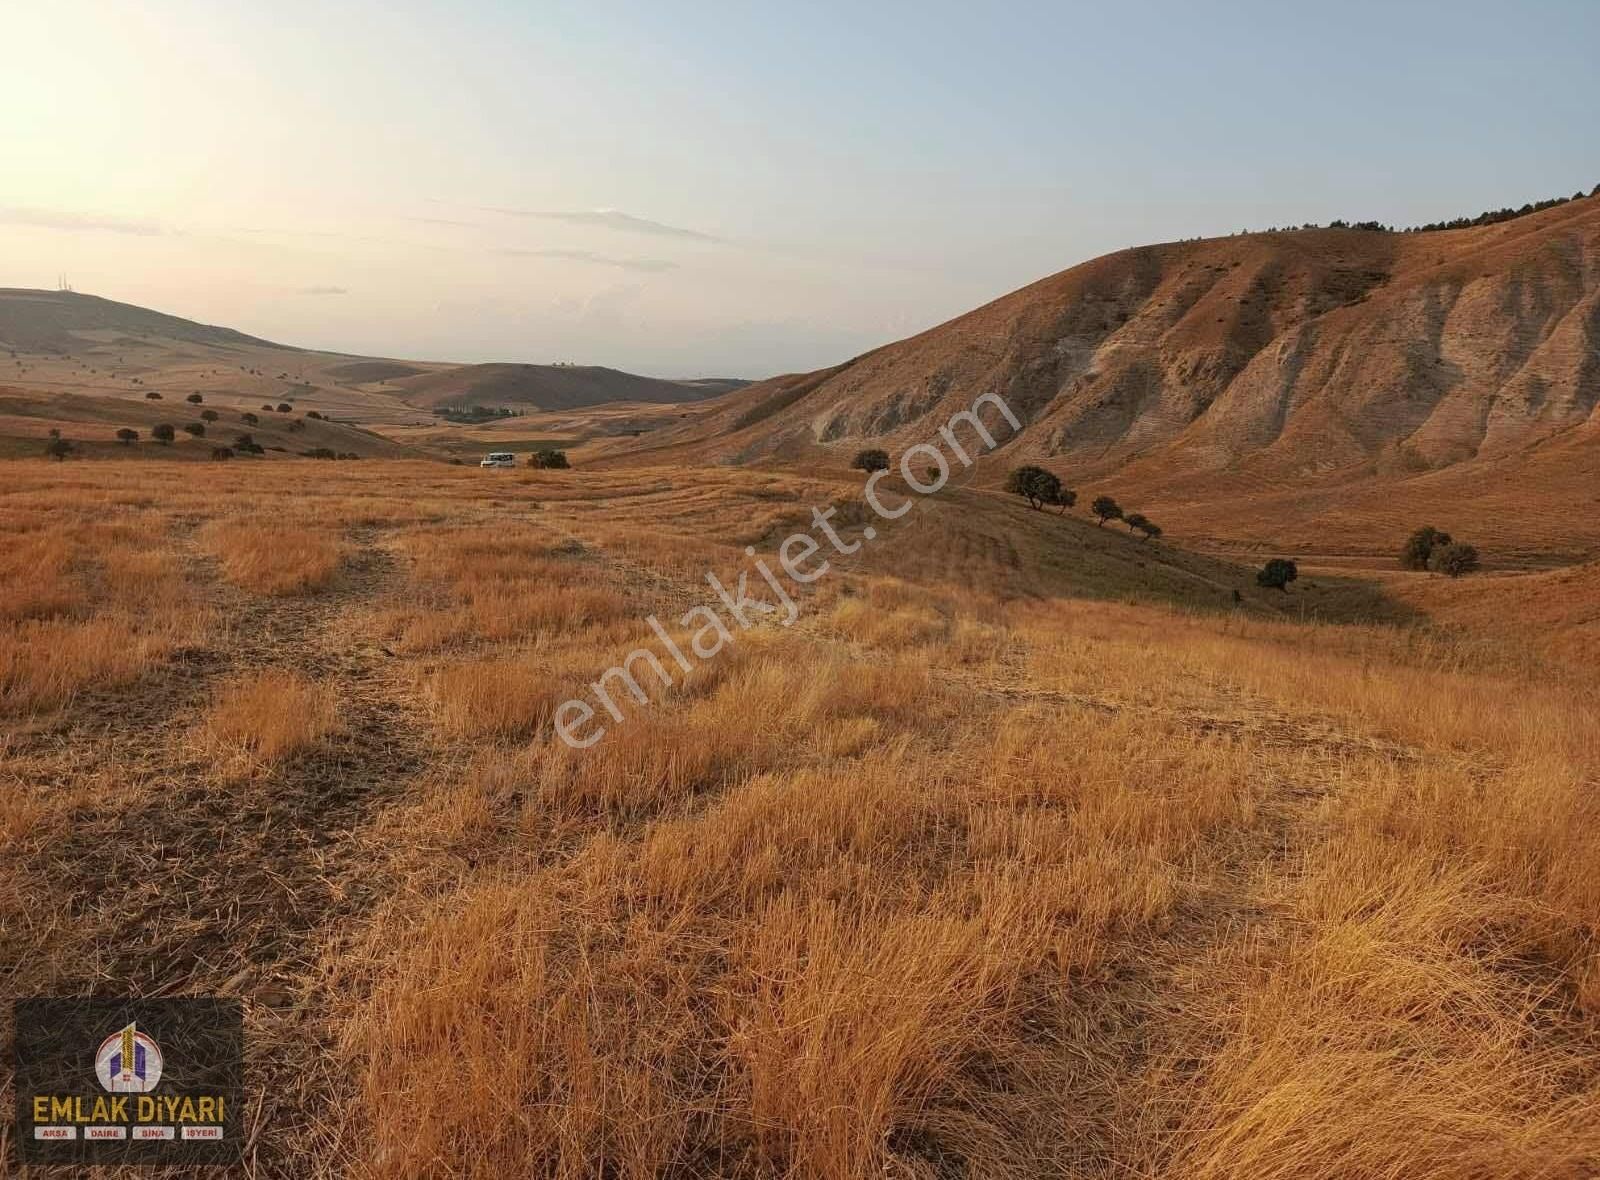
(499, 459)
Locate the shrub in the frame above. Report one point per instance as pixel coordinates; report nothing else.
(58, 449)
(285, 408)
(208, 415)
(319, 453)
(250, 418)
(127, 437)
(152, 395)
(313, 414)
(194, 399)
(550, 460)
(220, 453)
(198, 429)
(1454, 559)
(1419, 547)
(1034, 484)
(872, 459)
(267, 406)
(1138, 522)
(163, 433)
(1106, 509)
(1277, 574)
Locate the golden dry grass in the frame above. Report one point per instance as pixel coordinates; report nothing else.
(272, 559)
(963, 874)
(265, 717)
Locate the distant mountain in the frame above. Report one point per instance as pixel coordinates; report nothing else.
(552, 387)
(66, 323)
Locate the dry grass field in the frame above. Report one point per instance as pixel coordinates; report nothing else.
(1024, 851)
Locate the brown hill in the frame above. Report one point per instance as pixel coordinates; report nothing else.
(66, 323)
(1238, 367)
(553, 387)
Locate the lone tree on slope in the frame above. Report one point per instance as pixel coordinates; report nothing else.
(1419, 547)
(1106, 509)
(1454, 560)
(127, 437)
(1036, 485)
(872, 459)
(1138, 522)
(1277, 574)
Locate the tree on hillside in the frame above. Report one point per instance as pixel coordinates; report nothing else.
(1036, 485)
(1454, 559)
(872, 459)
(1138, 522)
(198, 429)
(250, 418)
(152, 395)
(127, 437)
(1106, 509)
(194, 399)
(285, 408)
(208, 415)
(221, 453)
(551, 460)
(58, 448)
(1065, 498)
(1277, 574)
(163, 433)
(1419, 547)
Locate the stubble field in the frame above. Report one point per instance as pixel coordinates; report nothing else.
(1023, 852)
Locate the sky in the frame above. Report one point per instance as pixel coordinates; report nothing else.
(732, 189)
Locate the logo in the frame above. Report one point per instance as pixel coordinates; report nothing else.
(166, 1085)
(128, 1062)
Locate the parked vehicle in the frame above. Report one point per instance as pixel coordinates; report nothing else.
(499, 459)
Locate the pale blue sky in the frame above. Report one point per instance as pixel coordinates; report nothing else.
(426, 179)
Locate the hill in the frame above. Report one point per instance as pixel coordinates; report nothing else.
(1193, 372)
(552, 387)
(67, 323)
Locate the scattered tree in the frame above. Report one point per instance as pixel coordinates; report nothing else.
(163, 433)
(208, 415)
(1034, 484)
(285, 408)
(250, 418)
(313, 414)
(297, 425)
(550, 460)
(267, 406)
(244, 439)
(1106, 509)
(57, 448)
(1454, 559)
(1138, 522)
(1065, 498)
(127, 437)
(152, 395)
(198, 429)
(1277, 574)
(872, 459)
(1419, 547)
(194, 399)
(221, 453)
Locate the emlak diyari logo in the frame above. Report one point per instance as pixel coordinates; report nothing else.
(128, 1081)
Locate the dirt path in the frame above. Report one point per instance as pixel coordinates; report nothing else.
(181, 882)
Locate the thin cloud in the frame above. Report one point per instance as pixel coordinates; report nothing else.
(611, 219)
(63, 219)
(646, 265)
(323, 291)
(443, 221)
